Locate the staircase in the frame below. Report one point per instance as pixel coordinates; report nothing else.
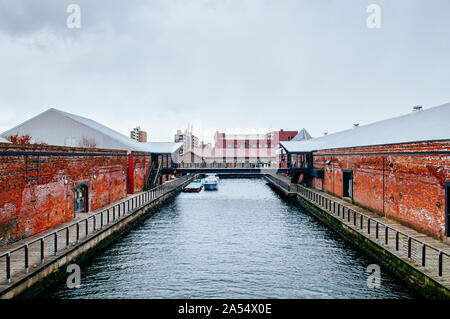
(152, 176)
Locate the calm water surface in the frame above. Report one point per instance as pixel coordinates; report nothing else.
(242, 241)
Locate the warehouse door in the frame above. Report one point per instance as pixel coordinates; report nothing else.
(81, 199)
(347, 182)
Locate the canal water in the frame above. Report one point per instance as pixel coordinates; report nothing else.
(242, 241)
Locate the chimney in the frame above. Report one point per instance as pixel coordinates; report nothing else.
(355, 124)
(325, 133)
(417, 108)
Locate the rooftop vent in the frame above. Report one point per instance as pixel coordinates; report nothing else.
(355, 124)
(417, 108)
(325, 133)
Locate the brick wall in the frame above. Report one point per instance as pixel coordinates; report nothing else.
(27, 208)
(142, 163)
(412, 191)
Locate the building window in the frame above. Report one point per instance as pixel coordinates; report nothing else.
(235, 146)
(254, 145)
(229, 145)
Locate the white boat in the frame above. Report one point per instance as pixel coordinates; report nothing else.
(211, 182)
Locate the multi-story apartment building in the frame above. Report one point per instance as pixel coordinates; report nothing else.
(138, 135)
(267, 140)
(189, 140)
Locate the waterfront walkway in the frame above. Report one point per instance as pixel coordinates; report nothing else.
(427, 255)
(20, 259)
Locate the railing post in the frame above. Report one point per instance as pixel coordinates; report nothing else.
(362, 222)
(107, 216)
(368, 226)
(55, 241)
(87, 227)
(101, 219)
(386, 235)
(42, 250)
(94, 227)
(67, 238)
(397, 242)
(377, 227)
(8, 268)
(409, 247)
(440, 265)
(26, 257)
(78, 232)
(423, 255)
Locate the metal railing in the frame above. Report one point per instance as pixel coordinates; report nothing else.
(431, 259)
(54, 242)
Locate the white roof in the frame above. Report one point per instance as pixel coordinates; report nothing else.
(426, 125)
(120, 141)
(3, 140)
(163, 147)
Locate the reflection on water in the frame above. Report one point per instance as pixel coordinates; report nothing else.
(242, 241)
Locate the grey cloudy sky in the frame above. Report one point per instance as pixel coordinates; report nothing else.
(229, 63)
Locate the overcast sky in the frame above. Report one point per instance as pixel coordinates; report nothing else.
(227, 63)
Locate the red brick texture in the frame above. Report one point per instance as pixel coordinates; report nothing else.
(412, 191)
(27, 208)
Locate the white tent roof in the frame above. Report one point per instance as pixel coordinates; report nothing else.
(123, 141)
(2, 140)
(426, 125)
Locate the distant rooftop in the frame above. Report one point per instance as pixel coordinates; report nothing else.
(303, 135)
(430, 124)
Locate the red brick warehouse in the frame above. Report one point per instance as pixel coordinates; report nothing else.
(43, 186)
(398, 168)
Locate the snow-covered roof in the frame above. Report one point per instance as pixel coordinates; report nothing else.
(425, 125)
(3, 140)
(303, 135)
